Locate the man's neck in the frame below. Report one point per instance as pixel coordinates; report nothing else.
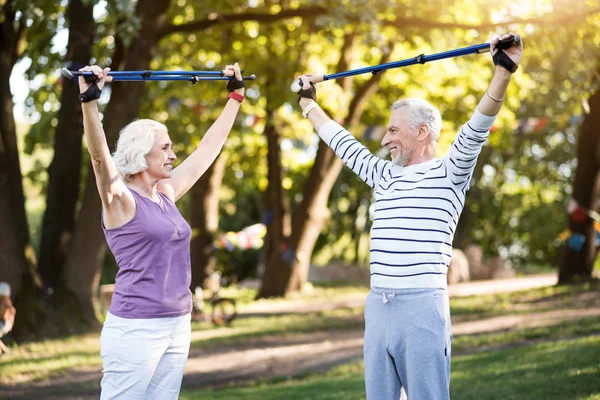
(417, 157)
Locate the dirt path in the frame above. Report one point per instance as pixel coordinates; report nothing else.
(292, 355)
(477, 288)
(474, 288)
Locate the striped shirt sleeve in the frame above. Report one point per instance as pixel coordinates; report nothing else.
(368, 167)
(466, 147)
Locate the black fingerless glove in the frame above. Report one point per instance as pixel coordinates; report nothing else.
(234, 84)
(310, 93)
(91, 94)
(501, 59)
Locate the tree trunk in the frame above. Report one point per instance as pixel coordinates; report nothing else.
(65, 170)
(12, 256)
(205, 208)
(576, 264)
(276, 251)
(75, 295)
(13, 222)
(84, 261)
(17, 257)
(205, 221)
(276, 273)
(313, 213)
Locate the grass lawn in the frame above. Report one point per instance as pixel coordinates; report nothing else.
(580, 327)
(524, 302)
(40, 360)
(565, 369)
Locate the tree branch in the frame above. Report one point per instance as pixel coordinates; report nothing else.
(346, 59)
(366, 90)
(218, 19)
(315, 11)
(20, 35)
(424, 23)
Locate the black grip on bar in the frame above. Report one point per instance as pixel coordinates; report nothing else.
(508, 43)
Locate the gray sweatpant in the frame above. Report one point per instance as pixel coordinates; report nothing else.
(407, 344)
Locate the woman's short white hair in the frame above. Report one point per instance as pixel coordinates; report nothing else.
(421, 112)
(135, 141)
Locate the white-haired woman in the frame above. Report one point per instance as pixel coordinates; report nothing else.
(146, 336)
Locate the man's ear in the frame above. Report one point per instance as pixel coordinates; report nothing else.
(423, 132)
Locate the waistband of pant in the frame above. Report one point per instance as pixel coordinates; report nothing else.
(406, 291)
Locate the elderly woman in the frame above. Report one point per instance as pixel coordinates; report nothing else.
(146, 336)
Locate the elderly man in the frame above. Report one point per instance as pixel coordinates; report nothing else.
(419, 199)
(7, 314)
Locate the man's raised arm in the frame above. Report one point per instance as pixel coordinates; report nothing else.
(355, 155)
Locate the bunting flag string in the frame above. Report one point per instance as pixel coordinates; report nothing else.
(579, 214)
(251, 237)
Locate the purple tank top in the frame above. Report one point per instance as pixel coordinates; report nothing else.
(153, 254)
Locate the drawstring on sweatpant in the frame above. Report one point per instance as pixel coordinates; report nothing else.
(385, 297)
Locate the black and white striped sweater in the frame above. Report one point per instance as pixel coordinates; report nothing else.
(417, 207)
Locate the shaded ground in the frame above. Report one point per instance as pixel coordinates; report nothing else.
(267, 357)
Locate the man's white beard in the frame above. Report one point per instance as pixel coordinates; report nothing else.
(401, 159)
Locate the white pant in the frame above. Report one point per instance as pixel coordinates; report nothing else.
(144, 358)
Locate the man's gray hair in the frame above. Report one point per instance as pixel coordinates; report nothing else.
(135, 141)
(421, 112)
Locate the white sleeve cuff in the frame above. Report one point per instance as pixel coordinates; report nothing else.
(481, 122)
(329, 129)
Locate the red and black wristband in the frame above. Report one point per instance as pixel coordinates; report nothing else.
(236, 96)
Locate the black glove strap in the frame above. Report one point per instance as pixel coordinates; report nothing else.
(501, 59)
(234, 84)
(310, 93)
(92, 93)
